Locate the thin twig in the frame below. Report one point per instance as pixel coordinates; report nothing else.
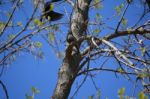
(121, 18)
(105, 69)
(11, 15)
(88, 64)
(5, 89)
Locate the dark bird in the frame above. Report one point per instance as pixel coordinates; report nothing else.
(129, 1)
(148, 3)
(48, 12)
(55, 0)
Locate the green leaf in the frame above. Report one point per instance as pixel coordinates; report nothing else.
(29, 97)
(51, 7)
(55, 27)
(11, 36)
(35, 90)
(91, 97)
(121, 91)
(97, 1)
(51, 36)
(127, 97)
(38, 22)
(129, 30)
(19, 23)
(124, 21)
(2, 25)
(120, 70)
(49, 18)
(119, 8)
(97, 4)
(143, 50)
(96, 32)
(141, 95)
(98, 17)
(98, 94)
(143, 75)
(8, 14)
(38, 44)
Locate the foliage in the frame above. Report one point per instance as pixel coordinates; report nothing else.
(34, 92)
(121, 35)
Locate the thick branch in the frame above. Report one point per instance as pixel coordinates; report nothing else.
(5, 89)
(69, 67)
(139, 31)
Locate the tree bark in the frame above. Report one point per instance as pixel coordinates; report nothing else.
(71, 61)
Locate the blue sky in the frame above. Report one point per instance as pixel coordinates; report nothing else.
(28, 71)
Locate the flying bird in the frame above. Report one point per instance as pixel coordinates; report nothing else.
(48, 12)
(148, 2)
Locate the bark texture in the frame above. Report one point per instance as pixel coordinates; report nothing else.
(71, 61)
(79, 18)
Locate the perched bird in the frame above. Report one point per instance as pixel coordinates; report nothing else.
(48, 12)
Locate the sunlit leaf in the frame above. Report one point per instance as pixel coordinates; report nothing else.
(141, 95)
(143, 75)
(98, 17)
(51, 7)
(121, 91)
(8, 14)
(19, 23)
(97, 1)
(96, 32)
(124, 21)
(55, 27)
(11, 36)
(97, 4)
(49, 18)
(38, 44)
(51, 37)
(98, 94)
(119, 8)
(143, 50)
(1, 25)
(29, 97)
(127, 97)
(91, 97)
(35, 90)
(38, 22)
(120, 70)
(129, 30)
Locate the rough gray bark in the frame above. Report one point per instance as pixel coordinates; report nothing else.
(71, 61)
(79, 19)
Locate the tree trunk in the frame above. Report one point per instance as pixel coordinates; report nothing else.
(71, 61)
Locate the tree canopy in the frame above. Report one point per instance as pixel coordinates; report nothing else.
(85, 39)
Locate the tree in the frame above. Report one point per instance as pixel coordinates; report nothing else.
(126, 41)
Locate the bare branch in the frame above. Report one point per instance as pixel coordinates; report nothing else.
(5, 89)
(11, 15)
(104, 69)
